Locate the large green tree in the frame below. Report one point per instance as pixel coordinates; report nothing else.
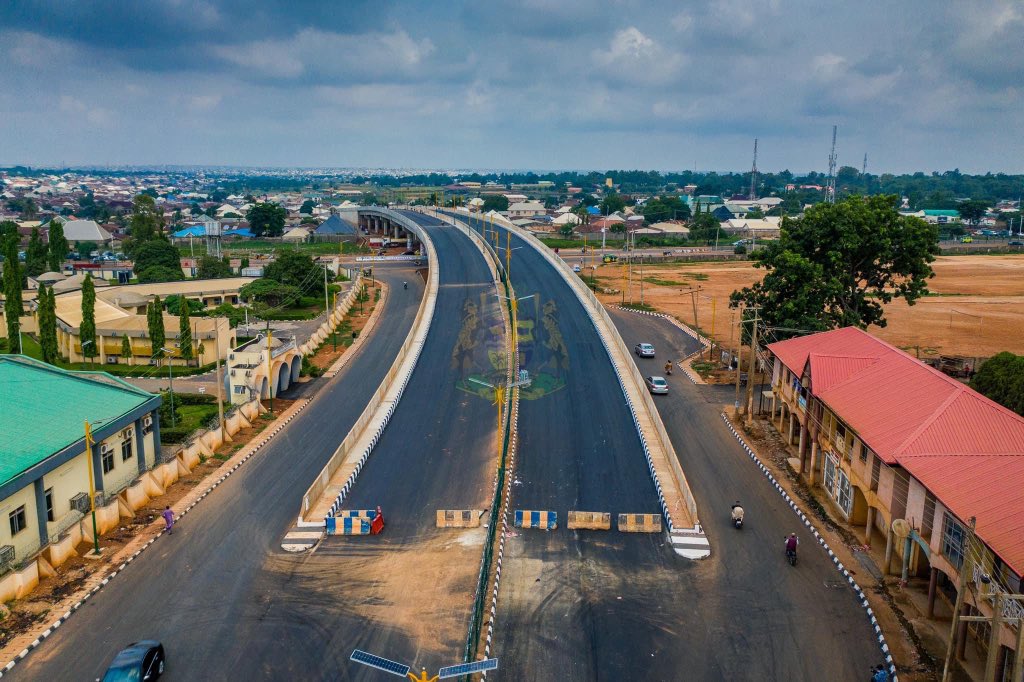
(87, 329)
(704, 226)
(35, 256)
(157, 253)
(155, 324)
(839, 264)
(210, 267)
(266, 219)
(1001, 379)
(146, 223)
(12, 295)
(185, 332)
(972, 210)
(270, 292)
(612, 202)
(48, 325)
(296, 269)
(495, 202)
(57, 245)
(668, 207)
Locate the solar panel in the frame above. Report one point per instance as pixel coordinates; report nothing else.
(379, 663)
(467, 668)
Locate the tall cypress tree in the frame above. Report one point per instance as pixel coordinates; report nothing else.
(36, 256)
(126, 349)
(57, 249)
(157, 335)
(48, 325)
(87, 330)
(12, 296)
(184, 330)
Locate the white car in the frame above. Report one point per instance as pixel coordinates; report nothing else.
(644, 350)
(657, 385)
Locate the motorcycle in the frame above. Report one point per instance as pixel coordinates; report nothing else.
(405, 285)
(737, 517)
(791, 556)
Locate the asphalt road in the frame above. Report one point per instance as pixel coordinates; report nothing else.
(750, 615)
(220, 594)
(592, 605)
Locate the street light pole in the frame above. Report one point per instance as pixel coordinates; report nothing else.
(170, 382)
(92, 486)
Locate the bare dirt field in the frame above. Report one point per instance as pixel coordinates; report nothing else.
(975, 308)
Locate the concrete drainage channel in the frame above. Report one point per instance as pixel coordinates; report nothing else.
(821, 540)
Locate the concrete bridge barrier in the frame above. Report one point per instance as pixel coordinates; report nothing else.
(459, 518)
(588, 520)
(543, 520)
(640, 523)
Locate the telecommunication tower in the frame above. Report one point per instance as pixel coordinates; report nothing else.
(753, 175)
(830, 184)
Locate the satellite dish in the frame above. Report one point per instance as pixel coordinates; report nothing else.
(901, 528)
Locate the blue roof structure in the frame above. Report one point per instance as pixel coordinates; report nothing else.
(191, 231)
(593, 210)
(335, 226)
(240, 232)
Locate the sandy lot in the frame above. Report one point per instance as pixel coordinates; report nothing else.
(976, 306)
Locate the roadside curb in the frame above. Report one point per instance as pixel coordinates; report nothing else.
(103, 583)
(821, 541)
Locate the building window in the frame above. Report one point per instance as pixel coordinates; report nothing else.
(107, 455)
(840, 437)
(954, 537)
(49, 504)
(17, 519)
(126, 450)
(837, 484)
(863, 452)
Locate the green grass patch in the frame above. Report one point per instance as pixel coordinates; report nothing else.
(639, 306)
(657, 281)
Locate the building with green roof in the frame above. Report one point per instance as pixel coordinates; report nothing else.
(44, 466)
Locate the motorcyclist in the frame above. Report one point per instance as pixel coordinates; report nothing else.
(668, 368)
(737, 512)
(405, 285)
(791, 543)
(879, 674)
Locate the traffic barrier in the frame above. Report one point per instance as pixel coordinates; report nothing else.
(640, 523)
(458, 518)
(347, 526)
(368, 514)
(544, 520)
(588, 520)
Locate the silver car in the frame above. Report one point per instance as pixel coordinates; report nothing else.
(657, 385)
(644, 350)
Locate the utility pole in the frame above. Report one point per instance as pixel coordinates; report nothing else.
(220, 384)
(753, 175)
(739, 360)
(327, 300)
(751, 369)
(270, 379)
(960, 590)
(92, 487)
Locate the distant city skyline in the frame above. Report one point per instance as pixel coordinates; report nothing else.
(530, 85)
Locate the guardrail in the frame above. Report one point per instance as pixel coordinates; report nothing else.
(412, 345)
(591, 302)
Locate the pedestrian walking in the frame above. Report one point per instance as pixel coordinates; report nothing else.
(169, 520)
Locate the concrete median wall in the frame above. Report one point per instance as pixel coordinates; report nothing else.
(458, 518)
(588, 520)
(542, 520)
(639, 523)
(382, 404)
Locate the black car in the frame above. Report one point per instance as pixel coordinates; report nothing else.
(137, 662)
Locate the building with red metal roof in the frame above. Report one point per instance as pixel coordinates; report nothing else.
(888, 437)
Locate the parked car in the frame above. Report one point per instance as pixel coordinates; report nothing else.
(576, 267)
(138, 662)
(1015, 242)
(644, 350)
(966, 240)
(657, 385)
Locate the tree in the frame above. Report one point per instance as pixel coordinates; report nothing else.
(839, 264)
(972, 210)
(266, 219)
(87, 329)
(172, 304)
(155, 324)
(234, 315)
(667, 207)
(618, 228)
(270, 292)
(126, 348)
(185, 332)
(85, 249)
(704, 227)
(48, 325)
(612, 202)
(1001, 378)
(9, 232)
(146, 223)
(159, 273)
(213, 268)
(12, 295)
(495, 202)
(296, 269)
(35, 257)
(307, 207)
(566, 230)
(57, 245)
(157, 252)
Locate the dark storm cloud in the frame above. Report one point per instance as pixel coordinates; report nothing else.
(916, 84)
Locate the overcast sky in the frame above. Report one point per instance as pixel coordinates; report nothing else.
(536, 84)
